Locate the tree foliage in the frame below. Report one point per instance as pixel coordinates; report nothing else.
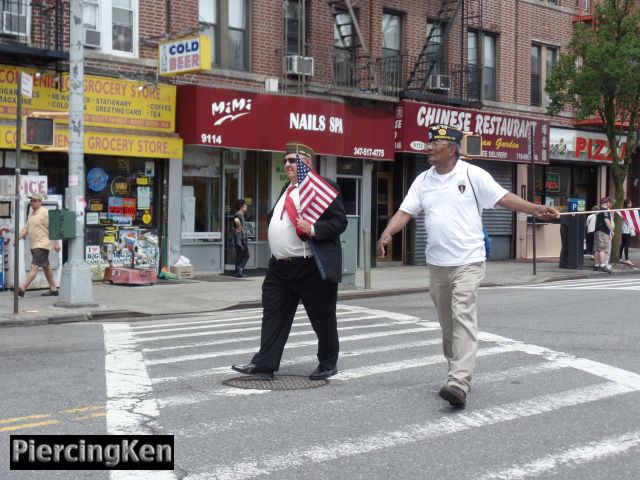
(598, 74)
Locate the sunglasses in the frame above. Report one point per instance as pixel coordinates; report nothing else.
(291, 161)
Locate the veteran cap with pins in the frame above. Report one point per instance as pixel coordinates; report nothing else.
(444, 132)
(300, 149)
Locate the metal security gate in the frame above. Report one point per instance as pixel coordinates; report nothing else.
(499, 221)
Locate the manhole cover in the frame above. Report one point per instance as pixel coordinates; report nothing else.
(279, 382)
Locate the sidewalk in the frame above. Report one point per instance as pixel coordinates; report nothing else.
(219, 292)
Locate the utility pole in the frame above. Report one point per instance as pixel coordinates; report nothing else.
(76, 289)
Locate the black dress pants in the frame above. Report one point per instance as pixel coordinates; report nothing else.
(286, 284)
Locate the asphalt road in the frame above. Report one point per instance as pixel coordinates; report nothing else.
(555, 395)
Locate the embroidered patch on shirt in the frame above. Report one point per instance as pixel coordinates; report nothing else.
(462, 185)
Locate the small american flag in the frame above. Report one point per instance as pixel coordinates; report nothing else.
(316, 194)
(632, 217)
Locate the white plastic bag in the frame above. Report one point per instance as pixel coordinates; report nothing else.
(183, 262)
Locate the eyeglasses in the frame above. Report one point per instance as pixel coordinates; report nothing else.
(291, 161)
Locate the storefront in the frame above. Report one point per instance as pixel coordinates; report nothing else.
(578, 170)
(233, 149)
(129, 141)
(505, 145)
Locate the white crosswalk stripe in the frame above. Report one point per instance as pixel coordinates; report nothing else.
(157, 369)
(604, 283)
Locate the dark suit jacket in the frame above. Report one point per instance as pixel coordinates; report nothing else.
(326, 244)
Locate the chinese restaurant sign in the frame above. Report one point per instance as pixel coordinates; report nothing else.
(255, 121)
(108, 102)
(504, 137)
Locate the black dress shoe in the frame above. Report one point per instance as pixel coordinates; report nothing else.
(253, 369)
(323, 374)
(454, 395)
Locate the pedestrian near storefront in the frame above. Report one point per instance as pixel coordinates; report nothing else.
(37, 227)
(626, 235)
(452, 195)
(305, 266)
(240, 237)
(591, 228)
(602, 236)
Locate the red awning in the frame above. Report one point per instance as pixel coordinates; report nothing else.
(258, 121)
(504, 137)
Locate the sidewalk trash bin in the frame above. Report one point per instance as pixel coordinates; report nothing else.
(572, 237)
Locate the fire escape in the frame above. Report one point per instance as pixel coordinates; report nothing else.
(433, 79)
(353, 66)
(31, 32)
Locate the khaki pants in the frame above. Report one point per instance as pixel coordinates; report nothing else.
(454, 291)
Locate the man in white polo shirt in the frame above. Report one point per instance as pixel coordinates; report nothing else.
(452, 195)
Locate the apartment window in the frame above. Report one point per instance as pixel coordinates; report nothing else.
(540, 71)
(473, 72)
(343, 49)
(111, 26)
(14, 19)
(435, 31)
(486, 70)
(391, 46)
(208, 16)
(489, 67)
(226, 22)
(293, 24)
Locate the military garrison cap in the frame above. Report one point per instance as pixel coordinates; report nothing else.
(444, 132)
(300, 149)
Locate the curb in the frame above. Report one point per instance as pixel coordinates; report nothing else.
(344, 295)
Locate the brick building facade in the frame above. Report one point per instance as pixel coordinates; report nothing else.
(346, 77)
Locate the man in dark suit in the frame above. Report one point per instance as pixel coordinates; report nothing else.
(306, 265)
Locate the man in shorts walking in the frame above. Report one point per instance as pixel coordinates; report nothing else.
(37, 227)
(602, 235)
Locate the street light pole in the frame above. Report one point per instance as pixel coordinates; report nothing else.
(75, 285)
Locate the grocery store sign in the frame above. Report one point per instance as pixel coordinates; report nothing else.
(108, 102)
(98, 143)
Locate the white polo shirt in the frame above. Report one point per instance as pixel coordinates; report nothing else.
(452, 220)
(283, 240)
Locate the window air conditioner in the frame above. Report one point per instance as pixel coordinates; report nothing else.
(439, 82)
(14, 24)
(91, 38)
(297, 65)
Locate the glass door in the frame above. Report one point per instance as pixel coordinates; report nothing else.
(232, 168)
(384, 209)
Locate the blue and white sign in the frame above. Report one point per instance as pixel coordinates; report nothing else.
(97, 179)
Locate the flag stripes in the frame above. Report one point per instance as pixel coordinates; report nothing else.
(316, 194)
(632, 217)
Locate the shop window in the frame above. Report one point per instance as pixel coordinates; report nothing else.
(256, 193)
(123, 213)
(201, 195)
(226, 23)
(553, 186)
(121, 192)
(111, 26)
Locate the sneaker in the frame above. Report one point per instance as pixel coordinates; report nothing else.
(596, 268)
(50, 293)
(20, 292)
(606, 269)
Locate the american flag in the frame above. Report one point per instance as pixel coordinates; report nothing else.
(632, 217)
(316, 194)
